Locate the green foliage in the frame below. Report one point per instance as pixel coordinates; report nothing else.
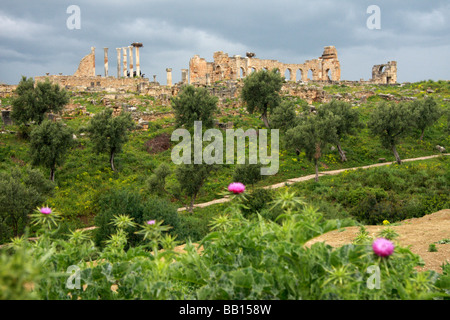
(256, 201)
(284, 116)
(191, 178)
(132, 205)
(388, 233)
(49, 143)
(425, 113)
(344, 119)
(391, 122)
(248, 174)
(311, 136)
(261, 92)
(256, 259)
(392, 193)
(194, 104)
(432, 248)
(32, 103)
(157, 181)
(19, 194)
(109, 133)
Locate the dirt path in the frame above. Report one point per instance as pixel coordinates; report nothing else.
(418, 233)
(312, 176)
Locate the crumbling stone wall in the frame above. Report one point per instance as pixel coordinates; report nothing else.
(87, 66)
(96, 83)
(385, 73)
(325, 68)
(7, 90)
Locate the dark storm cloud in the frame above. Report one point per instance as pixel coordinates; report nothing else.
(34, 38)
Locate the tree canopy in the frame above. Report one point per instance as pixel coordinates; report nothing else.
(109, 133)
(194, 104)
(261, 92)
(34, 101)
(391, 121)
(49, 143)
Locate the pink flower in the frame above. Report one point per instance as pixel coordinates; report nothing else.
(236, 187)
(46, 210)
(383, 247)
(151, 222)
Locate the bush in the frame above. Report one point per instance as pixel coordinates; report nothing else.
(131, 203)
(115, 202)
(257, 201)
(247, 173)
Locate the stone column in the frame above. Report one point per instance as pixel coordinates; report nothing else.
(169, 76)
(93, 60)
(118, 61)
(106, 61)
(125, 66)
(138, 65)
(184, 76)
(130, 51)
(154, 78)
(208, 79)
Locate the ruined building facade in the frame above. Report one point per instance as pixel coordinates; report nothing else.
(325, 68)
(385, 73)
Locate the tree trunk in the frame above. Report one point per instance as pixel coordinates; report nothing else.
(421, 136)
(397, 156)
(264, 118)
(111, 160)
(341, 152)
(52, 174)
(191, 205)
(316, 164)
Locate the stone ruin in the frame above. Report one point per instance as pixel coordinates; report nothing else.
(385, 73)
(325, 68)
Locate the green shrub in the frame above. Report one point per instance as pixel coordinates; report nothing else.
(247, 173)
(256, 201)
(115, 202)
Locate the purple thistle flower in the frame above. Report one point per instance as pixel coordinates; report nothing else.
(151, 222)
(383, 247)
(236, 187)
(45, 210)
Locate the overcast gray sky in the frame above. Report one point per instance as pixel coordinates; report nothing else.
(34, 38)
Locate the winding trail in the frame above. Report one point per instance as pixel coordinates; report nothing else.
(312, 176)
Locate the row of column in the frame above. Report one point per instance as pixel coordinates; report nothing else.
(124, 71)
(184, 76)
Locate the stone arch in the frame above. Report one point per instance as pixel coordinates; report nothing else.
(253, 69)
(241, 73)
(310, 74)
(288, 74)
(329, 74)
(299, 75)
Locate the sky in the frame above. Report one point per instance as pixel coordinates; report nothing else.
(35, 38)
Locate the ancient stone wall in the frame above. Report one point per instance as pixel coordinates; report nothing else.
(96, 83)
(7, 90)
(385, 73)
(87, 66)
(325, 68)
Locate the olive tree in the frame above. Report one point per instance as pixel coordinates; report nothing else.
(391, 122)
(261, 92)
(109, 133)
(34, 101)
(346, 121)
(49, 143)
(194, 104)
